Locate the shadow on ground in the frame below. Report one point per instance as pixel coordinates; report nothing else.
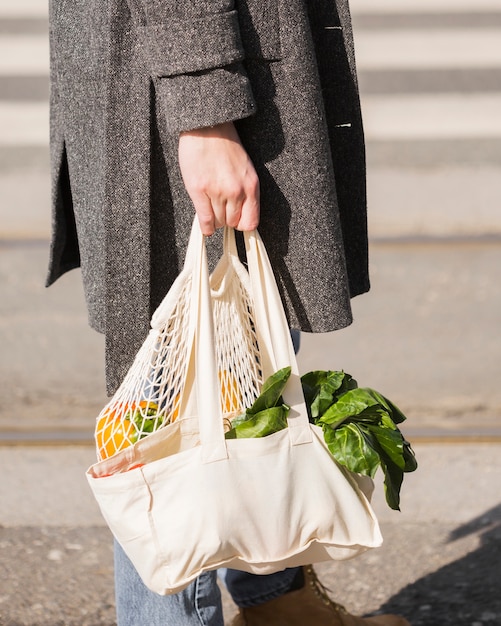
(435, 574)
(466, 592)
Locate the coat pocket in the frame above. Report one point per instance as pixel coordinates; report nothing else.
(260, 29)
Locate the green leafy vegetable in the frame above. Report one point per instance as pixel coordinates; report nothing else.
(322, 388)
(146, 421)
(350, 448)
(266, 422)
(271, 391)
(366, 435)
(268, 414)
(359, 424)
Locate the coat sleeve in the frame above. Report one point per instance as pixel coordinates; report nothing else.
(194, 53)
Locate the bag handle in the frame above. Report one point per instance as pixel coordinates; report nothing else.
(210, 418)
(273, 330)
(273, 333)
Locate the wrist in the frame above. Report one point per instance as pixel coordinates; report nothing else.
(225, 129)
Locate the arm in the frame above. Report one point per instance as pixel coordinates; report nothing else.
(194, 54)
(220, 178)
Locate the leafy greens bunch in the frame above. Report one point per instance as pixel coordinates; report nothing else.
(268, 414)
(359, 424)
(360, 428)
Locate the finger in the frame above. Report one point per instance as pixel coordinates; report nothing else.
(219, 210)
(205, 213)
(250, 211)
(234, 212)
(249, 219)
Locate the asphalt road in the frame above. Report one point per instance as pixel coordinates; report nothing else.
(439, 564)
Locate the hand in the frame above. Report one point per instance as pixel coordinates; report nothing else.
(219, 178)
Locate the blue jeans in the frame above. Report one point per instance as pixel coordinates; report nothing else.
(197, 605)
(200, 603)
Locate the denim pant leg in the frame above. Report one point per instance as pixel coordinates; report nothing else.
(197, 605)
(252, 589)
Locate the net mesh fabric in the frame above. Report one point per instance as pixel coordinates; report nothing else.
(237, 351)
(151, 395)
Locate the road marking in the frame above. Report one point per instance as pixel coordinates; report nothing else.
(396, 117)
(24, 123)
(429, 49)
(424, 6)
(381, 49)
(23, 8)
(459, 201)
(432, 116)
(24, 55)
(38, 8)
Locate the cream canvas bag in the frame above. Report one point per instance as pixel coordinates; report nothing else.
(183, 499)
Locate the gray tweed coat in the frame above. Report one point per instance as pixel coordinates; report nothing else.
(128, 75)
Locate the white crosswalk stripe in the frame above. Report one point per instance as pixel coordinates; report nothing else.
(24, 123)
(430, 117)
(23, 8)
(390, 117)
(423, 6)
(25, 55)
(383, 49)
(401, 117)
(433, 49)
(31, 8)
(430, 76)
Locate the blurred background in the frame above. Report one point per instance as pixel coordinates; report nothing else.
(427, 335)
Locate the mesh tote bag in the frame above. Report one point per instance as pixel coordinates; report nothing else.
(179, 497)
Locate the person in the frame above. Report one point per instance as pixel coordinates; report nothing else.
(248, 112)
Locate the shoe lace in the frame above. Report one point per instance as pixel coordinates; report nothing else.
(322, 591)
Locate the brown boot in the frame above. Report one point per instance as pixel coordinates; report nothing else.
(309, 606)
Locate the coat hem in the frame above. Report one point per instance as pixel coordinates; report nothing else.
(62, 269)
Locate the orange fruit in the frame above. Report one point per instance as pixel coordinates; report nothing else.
(175, 409)
(144, 404)
(113, 434)
(230, 395)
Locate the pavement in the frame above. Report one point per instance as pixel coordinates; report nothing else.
(427, 335)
